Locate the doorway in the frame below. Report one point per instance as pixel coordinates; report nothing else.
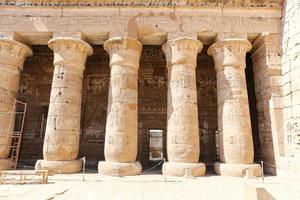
(156, 153)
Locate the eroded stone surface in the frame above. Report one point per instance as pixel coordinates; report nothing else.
(6, 164)
(235, 3)
(183, 131)
(266, 61)
(59, 167)
(63, 124)
(238, 170)
(119, 169)
(97, 20)
(12, 57)
(291, 88)
(184, 169)
(234, 126)
(121, 124)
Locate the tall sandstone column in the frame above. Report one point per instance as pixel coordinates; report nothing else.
(183, 145)
(12, 57)
(266, 63)
(62, 135)
(234, 125)
(121, 125)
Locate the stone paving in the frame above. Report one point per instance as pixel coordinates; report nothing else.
(150, 186)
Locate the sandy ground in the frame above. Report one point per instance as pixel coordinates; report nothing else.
(148, 187)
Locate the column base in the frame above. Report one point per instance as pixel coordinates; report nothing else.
(184, 169)
(59, 166)
(239, 170)
(117, 169)
(6, 164)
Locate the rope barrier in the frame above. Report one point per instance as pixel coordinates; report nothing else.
(147, 171)
(161, 162)
(152, 168)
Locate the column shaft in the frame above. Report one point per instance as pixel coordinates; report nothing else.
(12, 57)
(62, 135)
(266, 59)
(234, 125)
(183, 145)
(121, 125)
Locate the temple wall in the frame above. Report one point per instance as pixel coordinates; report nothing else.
(36, 25)
(221, 25)
(266, 59)
(35, 89)
(35, 86)
(291, 85)
(132, 3)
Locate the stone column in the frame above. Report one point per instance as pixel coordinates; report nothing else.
(234, 126)
(266, 65)
(183, 145)
(12, 57)
(121, 125)
(62, 135)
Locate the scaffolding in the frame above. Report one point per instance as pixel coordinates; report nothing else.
(13, 134)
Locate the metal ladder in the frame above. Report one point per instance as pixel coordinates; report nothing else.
(18, 115)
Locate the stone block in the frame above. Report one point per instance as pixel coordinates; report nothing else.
(119, 169)
(183, 169)
(238, 170)
(59, 167)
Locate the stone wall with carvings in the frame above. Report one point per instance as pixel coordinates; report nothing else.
(35, 21)
(291, 85)
(207, 105)
(266, 59)
(35, 89)
(182, 3)
(35, 86)
(152, 92)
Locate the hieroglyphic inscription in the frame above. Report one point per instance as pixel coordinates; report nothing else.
(183, 81)
(234, 124)
(121, 124)
(147, 3)
(66, 91)
(96, 85)
(183, 131)
(293, 130)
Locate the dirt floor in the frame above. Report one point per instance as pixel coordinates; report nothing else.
(149, 187)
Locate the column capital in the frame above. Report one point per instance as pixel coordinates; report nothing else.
(68, 50)
(267, 41)
(267, 49)
(182, 51)
(123, 50)
(229, 52)
(13, 53)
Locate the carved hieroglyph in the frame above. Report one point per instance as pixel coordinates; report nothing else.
(121, 125)
(234, 125)
(61, 142)
(266, 62)
(147, 3)
(12, 57)
(183, 132)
